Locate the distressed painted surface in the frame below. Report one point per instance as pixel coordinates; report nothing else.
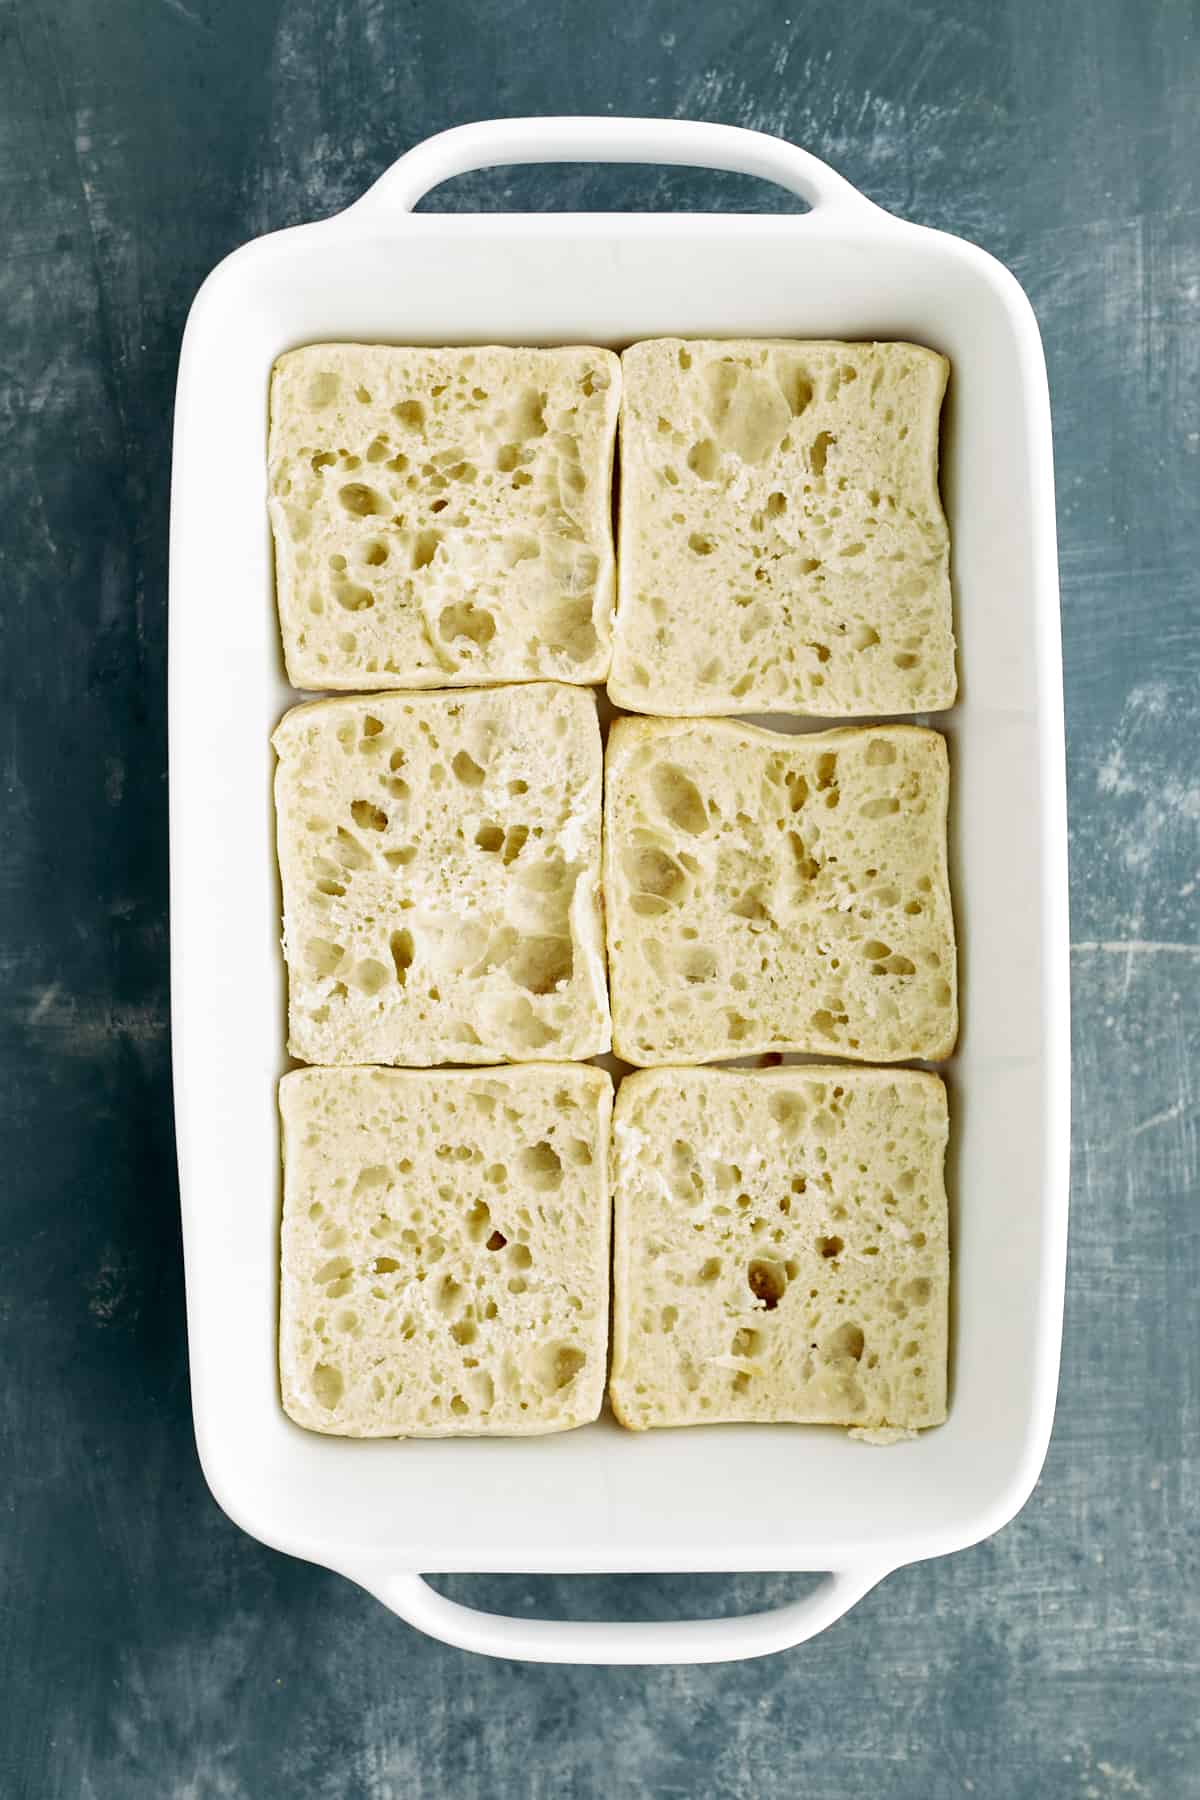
(150, 1650)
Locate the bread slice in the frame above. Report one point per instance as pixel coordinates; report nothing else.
(440, 856)
(780, 1248)
(783, 545)
(445, 1250)
(443, 517)
(772, 892)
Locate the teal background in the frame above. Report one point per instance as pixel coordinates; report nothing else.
(149, 1649)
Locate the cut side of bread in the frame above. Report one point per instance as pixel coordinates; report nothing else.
(774, 892)
(443, 517)
(780, 1248)
(440, 856)
(783, 544)
(445, 1250)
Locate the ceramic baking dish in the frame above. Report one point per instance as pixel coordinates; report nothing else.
(599, 1499)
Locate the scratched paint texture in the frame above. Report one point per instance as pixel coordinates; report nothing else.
(150, 1649)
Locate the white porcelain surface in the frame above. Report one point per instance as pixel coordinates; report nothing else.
(718, 1498)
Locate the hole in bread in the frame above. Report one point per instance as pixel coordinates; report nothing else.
(333, 889)
(797, 789)
(541, 1166)
(698, 965)
(464, 1331)
(465, 620)
(746, 1342)
(367, 816)
(829, 1246)
(819, 451)
(396, 859)
(700, 545)
(679, 799)
(750, 906)
(352, 598)
(570, 629)
(375, 553)
(489, 836)
(541, 963)
(523, 1026)
(425, 548)
(467, 770)
(411, 414)
(349, 852)
(528, 415)
(797, 390)
(401, 946)
(323, 388)
(767, 1281)
(703, 459)
(514, 843)
(369, 976)
(478, 1220)
(788, 1112)
(879, 808)
(328, 1385)
(652, 871)
(333, 1271)
(846, 1343)
(558, 1365)
(748, 412)
(323, 957)
(496, 1241)
(710, 1270)
(361, 501)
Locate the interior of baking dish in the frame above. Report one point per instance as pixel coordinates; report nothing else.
(717, 1497)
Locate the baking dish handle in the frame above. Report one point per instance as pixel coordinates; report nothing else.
(625, 1643)
(494, 143)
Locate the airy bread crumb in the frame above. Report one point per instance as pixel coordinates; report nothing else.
(445, 1250)
(775, 892)
(443, 517)
(440, 856)
(780, 1248)
(783, 545)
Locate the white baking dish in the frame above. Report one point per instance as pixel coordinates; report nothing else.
(719, 1498)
